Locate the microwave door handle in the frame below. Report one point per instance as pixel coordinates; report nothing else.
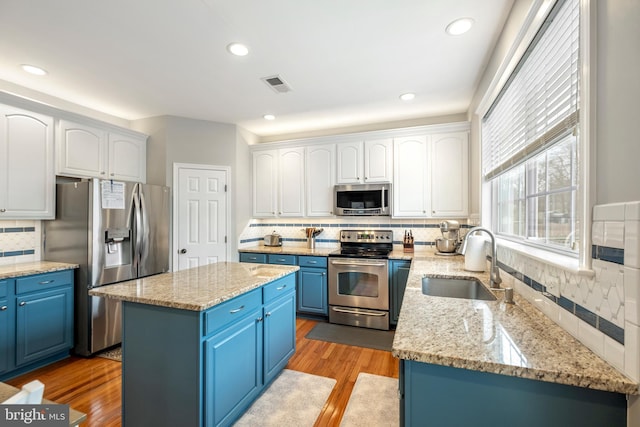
(382, 201)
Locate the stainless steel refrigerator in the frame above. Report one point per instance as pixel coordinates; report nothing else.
(115, 231)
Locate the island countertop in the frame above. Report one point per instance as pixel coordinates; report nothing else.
(492, 336)
(195, 289)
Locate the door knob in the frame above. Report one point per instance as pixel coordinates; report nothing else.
(182, 251)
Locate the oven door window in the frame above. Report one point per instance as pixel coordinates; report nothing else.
(358, 284)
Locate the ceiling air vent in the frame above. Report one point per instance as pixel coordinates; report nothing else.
(277, 84)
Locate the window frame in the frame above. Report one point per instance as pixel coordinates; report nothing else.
(585, 194)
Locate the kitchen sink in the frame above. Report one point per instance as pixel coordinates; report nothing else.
(466, 288)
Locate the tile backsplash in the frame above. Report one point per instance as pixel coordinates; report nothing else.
(20, 241)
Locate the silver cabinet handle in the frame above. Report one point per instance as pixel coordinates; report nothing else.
(281, 288)
(3, 308)
(3, 210)
(313, 262)
(46, 282)
(267, 314)
(22, 303)
(259, 319)
(237, 310)
(103, 173)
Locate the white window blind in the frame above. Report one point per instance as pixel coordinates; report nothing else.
(539, 102)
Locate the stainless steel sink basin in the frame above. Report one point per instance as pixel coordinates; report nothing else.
(456, 288)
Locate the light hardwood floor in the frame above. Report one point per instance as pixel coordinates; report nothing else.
(93, 386)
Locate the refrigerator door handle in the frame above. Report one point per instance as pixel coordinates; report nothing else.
(144, 230)
(138, 224)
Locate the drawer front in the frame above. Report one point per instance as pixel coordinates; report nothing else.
(312, 261)
(251, 257)
(279, 288)
(230, 311)
(4, 288)
(45, 281)
(282, 259)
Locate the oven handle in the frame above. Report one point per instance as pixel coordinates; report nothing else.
(361, 264)
(366, 313)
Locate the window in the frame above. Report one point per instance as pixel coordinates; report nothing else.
(529, 142)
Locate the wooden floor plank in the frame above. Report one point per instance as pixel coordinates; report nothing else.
(93, 385)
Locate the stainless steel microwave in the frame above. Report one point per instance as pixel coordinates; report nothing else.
(362, 199)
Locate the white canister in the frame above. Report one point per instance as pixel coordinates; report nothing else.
(475, 257)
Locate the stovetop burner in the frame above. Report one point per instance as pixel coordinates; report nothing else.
(365, 244)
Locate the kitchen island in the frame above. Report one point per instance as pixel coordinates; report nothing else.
(472, 362)
(200, 345)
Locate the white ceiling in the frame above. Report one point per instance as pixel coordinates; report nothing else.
(346, 60)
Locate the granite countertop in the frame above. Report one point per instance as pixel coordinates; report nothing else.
(492, 336)
(29, 268)
(75, 417)
(196, 289)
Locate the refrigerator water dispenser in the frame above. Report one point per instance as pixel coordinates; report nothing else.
(117, 247)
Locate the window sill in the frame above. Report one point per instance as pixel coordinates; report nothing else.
(565, 262)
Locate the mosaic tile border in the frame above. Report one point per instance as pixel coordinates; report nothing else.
(603, 325)
(17, 229)
(17, 253)
(605, 253)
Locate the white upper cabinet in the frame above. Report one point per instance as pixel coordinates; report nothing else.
(364, 162)
(411, 189)
(89, 152)
(378, 160)
(350, 163)
(265, 183)
(27, 172)
(320, 179)
(127, 158)
(450, 175)
(82, 150)
(278, 182)
(291, 182)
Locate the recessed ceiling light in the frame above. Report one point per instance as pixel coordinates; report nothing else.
(407, 96)
(269, 117)
(459, 26)
(238, 49)
(32, 69)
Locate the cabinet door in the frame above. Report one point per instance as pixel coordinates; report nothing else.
(265, 176)
(44, 324)
(411, 177)
(279, 334)
(27, 175)
(291, 182)
(233, 369)
(312, 291)
(7, 326)
(320, 179)
(127, 158)
(450, 175)
(399, 276)
(378, 160)
(349, 163)
(82, 151)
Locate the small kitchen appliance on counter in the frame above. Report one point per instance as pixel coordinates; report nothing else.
(273, 239)
(450, 240)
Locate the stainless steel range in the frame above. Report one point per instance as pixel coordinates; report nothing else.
(359, 279)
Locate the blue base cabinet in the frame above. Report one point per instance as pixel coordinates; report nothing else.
(191, 368)
(312, 285)
(36, 321)
(435, 395)
(399, 273)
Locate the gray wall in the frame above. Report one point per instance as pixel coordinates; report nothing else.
(618, 81)
(182, 140)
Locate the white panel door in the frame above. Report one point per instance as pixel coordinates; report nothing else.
(349, 163)
(201, 217)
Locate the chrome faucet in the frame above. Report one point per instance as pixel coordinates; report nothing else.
(494, 275)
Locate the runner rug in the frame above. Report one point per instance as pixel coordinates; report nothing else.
(373, 402)
(293, 399)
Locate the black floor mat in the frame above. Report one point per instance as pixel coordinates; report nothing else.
(351, 335)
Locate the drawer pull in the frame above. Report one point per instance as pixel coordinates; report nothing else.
(3, 308)
(46, 282)
(281, 288)
(312, 262)
(281, 260)
(267, 314)
(22, 303)
(237, 310)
